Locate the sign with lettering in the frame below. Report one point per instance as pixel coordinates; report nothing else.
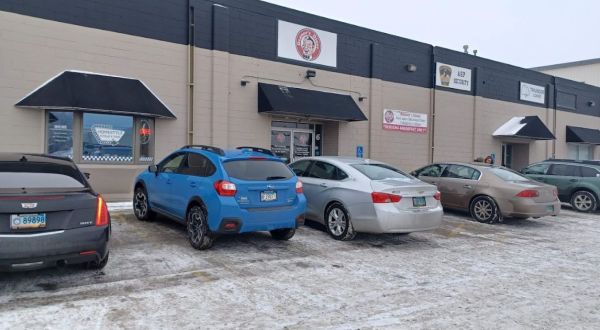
(404, 121)
(451, 76)
(305, 44)
(533, 93)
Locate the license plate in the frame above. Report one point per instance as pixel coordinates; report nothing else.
(27, 221)
(268, 196)
(550, 208)
(419, 201)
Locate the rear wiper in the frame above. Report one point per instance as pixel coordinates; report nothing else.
(275, 178)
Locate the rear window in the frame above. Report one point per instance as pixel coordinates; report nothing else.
(507, 175)
(27, 175)
(257, 170)
(380, 171)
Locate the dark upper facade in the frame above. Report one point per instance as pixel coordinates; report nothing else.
(249, 28)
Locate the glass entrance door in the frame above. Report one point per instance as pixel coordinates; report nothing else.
(290, 144)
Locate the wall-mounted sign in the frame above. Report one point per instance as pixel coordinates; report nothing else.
(451, 76)
(106, 134)
(533, 93)
(359, 151)
(306, 44)
(404, 121)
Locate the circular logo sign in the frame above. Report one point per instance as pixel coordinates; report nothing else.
(389, 116)
(308, 44)
(280, 137)
(145, 132)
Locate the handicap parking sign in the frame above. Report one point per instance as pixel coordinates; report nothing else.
(359, 151)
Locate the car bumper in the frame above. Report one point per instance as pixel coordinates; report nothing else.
(258, 219)
(389, 219)
(41, 250)
(527, 208)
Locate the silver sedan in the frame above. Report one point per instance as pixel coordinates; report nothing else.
(350, 195)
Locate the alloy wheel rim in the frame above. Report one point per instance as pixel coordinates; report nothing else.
(483, 210)
(141, 205)
(583, 202)
(337, 222)
(195, 226)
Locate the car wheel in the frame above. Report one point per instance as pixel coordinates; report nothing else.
(141, 206)
(283, 234)
(484, 209)
(584, 201)
(200, 237)
(97, 265)
(338, 224)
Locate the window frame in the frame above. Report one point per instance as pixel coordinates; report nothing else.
(447, 169)
(208, 165)
(336, 171)
(526, 169)
(77, 138)
(551, 170)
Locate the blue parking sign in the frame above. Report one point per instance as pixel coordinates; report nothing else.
(359, 151)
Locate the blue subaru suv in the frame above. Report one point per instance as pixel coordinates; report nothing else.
(213, 192)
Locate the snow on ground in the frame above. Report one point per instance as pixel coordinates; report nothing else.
(539, 273)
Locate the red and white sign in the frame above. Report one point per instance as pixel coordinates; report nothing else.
(404, 121)
(306, 44)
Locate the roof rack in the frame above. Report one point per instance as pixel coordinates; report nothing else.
(589, 162)
(257, 149)
(215, 150)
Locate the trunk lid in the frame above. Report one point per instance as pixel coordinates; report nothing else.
(412, 192)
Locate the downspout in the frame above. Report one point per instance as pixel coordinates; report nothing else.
(432, 102)
(474, 128)
(554, 120)
(191, 46)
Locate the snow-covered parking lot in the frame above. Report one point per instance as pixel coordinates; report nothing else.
(542, 273)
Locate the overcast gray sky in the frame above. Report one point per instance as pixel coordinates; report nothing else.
(526, 33)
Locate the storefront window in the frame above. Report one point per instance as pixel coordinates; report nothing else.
(60, 134)
(580, 151)
(107, 138)
(145, 140)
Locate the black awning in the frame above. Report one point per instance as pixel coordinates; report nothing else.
(75, 90)
(306, 103)
(583, 135)
(529, 128)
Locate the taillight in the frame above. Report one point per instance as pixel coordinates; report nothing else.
(528, 193)
(225, 188)
(438, 195)
(299, 187)
(101, 212)
(380, 197)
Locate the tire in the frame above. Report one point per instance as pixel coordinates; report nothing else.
(584, 201)
(338, 224)
(485, 210)
(141, 206)
(199, 236)
(283, 234)
(97, 265)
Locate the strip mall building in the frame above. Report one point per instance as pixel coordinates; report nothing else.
(117, 85)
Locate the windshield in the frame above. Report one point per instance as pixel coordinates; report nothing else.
(257, 170)
(380, 171)
(507, 175)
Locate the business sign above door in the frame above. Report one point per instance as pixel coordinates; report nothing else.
(404, 121)
(306, 44)
(451, 76)
(533, 93)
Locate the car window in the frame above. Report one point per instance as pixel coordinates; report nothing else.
(300, 167)
(197, 165)
(507, 175)
(257, 170)
(172, 163)
(322, 170)
(461, 172)
(564, 170)
(380, 171)
(38, 175)
(432, 171)
(589, 172)
(539, 169)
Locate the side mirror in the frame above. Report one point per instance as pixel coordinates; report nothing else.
(87, 175)
(152, 169)
(413, 173)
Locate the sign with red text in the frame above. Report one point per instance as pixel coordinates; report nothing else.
(306, 44)
(404, 121)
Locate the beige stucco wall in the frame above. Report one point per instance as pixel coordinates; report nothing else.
(589, 74)
(454, 115)
(563, 119)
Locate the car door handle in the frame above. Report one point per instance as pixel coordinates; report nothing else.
(323, 184)
(168, 181)
(468, 186)
(193, 184)
(573, 180)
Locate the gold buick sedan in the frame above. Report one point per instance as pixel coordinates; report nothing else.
(490, 192)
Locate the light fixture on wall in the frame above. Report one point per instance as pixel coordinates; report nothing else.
(362, 98)
(244, 82)
(411, 67)
(591, 103)
(311, 73)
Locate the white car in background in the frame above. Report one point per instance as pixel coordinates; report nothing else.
(350, 195)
